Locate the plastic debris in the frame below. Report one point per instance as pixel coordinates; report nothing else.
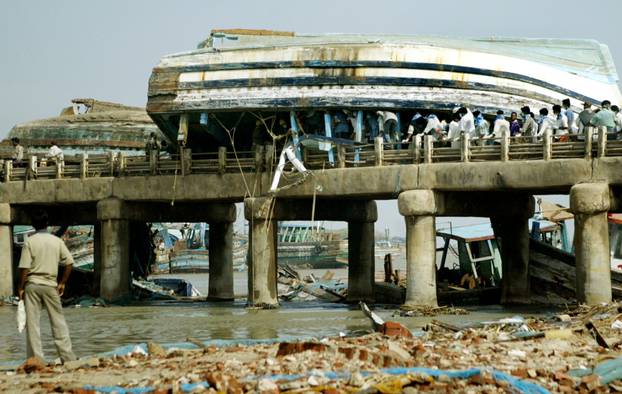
(21, 316)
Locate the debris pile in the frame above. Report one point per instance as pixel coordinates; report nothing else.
(557, 354)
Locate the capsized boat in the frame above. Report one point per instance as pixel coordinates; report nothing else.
(249, 70)
(87, 126)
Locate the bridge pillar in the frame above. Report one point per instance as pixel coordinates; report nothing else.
(6, 251)
(262, 271)
(115, 250)
(513, 234)
(419, 209)
(262, 252)
(590, 202)
(220, 262)
(360, 261)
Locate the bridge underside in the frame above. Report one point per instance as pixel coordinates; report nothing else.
(499, 190)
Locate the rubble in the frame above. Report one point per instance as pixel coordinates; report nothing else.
(491, 357)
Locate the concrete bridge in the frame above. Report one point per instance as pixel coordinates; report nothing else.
(495, 181)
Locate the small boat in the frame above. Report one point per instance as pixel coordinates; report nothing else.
(304, 245)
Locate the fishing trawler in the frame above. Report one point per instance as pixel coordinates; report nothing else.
(308, 246)
(198, 94)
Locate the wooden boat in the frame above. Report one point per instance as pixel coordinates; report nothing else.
(248, 70)
(87, 126)
(303, 245)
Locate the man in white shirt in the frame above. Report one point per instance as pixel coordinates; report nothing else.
(573, 117)
(530, 127)
(545, 122)
(467, 122)
(453, 133)
(501, 125)
(561, 123)
(387, 122)
(56, 154)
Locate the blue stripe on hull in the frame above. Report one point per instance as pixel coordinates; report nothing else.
(381, 64)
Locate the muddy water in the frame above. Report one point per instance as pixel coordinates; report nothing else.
(97, 330)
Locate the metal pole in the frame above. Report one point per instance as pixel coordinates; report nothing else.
(328, 121)
(294, 122)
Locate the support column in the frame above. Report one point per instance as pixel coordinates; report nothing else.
(220, 262)
(360, 261)
(6, 251)
(512, 234)
(262, 271)
(115, 250)
(590, 202)
(97, 258)
(419, 209)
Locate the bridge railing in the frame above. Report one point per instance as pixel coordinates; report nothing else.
(421, 150)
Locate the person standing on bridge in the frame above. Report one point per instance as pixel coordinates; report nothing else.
(56, 155)
(584, 118)
(530, 127)
(482, 127)
(38, 287)
(572, 116)
(606, 118)
(545, 122)
(18, 153)
(467, 122)
(500, 126)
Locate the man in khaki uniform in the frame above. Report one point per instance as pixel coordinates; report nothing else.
(41, 255)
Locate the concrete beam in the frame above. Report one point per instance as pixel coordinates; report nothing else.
(537, 176)
(263, 208)
(68, 214)
(113, 208)
(486, 204)
(115, 251)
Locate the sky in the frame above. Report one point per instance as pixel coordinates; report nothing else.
(54, 51)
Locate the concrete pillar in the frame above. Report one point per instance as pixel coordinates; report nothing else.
(419, 209)
(590, 202)
(421, 260)
(512, 233)
(6, 251)
(115, 250)
(97, 258)
(360, 261)
(220, 262)
(262, 271)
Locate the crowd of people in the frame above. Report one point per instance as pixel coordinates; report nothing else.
(562, 122)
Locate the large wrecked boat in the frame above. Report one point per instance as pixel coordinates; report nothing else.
(87, 126)
(250, 70)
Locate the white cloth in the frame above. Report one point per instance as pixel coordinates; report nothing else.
(467, 124)
(618, 120)
(288, 151)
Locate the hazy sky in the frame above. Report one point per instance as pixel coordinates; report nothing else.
(53, 51)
